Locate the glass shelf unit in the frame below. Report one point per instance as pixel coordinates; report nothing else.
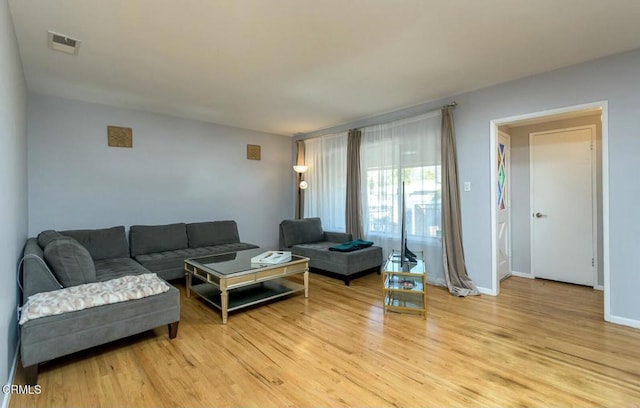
(404, 289)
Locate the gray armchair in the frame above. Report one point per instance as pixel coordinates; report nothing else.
(306, 237)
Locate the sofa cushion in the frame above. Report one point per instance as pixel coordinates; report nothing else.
(46, 237)
(107, 269)
(343, 263)
(71, 262)
(302, 231)
(106, 243)
(203, 234)
(148, 239)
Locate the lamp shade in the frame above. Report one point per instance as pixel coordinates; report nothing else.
(300, 168)
(303, 185)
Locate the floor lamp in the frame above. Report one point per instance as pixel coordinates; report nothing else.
(301, 185)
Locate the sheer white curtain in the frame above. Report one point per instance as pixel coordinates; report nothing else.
(408, 151)
(325, 197)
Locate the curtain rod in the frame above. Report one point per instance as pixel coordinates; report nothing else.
(451, 105)
(329, 130)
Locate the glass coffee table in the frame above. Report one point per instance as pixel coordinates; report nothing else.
(230, 281)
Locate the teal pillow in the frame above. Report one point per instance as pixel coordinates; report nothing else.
(70, 262)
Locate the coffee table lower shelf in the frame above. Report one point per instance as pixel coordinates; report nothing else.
(248, 295)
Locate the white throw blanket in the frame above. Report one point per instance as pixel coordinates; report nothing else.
(80, 297)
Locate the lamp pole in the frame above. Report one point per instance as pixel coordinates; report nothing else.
(299, 202)
(300, 185)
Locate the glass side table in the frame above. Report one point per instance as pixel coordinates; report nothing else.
(404, 291)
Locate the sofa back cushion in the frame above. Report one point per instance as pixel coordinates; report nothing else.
(202, 234)
(304, 231)
(106, 243)
(46, 237)
(71, 262)
(148, 239)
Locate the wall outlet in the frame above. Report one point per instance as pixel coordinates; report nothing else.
(467, 186)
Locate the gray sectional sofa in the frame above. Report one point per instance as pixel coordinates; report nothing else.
(160, 249)
(306, 237)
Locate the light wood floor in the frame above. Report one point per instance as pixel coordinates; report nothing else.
(539, 343)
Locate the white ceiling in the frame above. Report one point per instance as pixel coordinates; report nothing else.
(289, 66)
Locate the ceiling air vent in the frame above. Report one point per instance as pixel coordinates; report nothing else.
(64, 43)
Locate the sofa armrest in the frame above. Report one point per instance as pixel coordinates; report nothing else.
(36, 275)
(337, 237)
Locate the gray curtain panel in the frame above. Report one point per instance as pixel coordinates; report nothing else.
(455, 271)
(300, 152)
(300, 193)
(353, 210)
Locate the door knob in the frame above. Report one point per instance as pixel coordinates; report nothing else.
(538, 215)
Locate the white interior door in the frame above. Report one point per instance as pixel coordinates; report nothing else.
(562, 202)
(503, 216)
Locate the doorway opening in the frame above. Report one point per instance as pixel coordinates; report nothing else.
(511, 231)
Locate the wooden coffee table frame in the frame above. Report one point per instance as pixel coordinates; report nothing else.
(242, 289)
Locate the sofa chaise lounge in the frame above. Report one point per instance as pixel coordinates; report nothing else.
(306, 237)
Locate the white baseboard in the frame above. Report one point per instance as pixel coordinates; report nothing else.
(599, 287)
(6, 397)
(522, 275)
(625, 322)
(486, 291)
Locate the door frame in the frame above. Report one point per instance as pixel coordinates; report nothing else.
(594, 197)
(508, 201)
(493, 132)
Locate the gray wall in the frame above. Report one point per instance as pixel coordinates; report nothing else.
(177, 171)
(13, 185)
(615, 79)
(520, 191)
